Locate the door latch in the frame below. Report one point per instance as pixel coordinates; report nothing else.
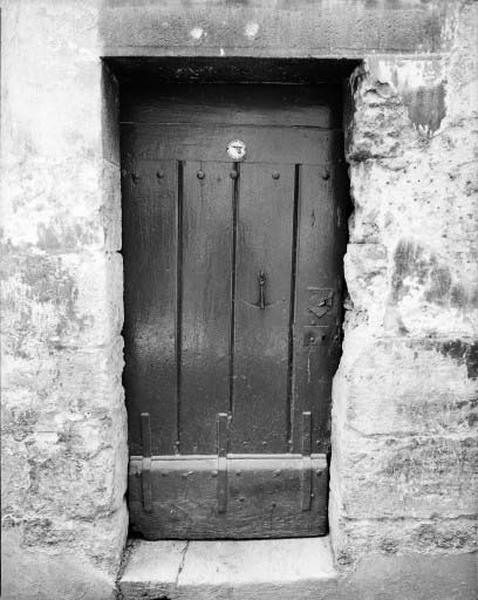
(320, 302)
(262, 292)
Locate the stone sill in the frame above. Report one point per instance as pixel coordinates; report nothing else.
(300, 568)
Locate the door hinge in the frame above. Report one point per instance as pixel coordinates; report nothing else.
(222, 461)
(273, 473)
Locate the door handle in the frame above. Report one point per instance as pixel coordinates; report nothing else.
(262, 291)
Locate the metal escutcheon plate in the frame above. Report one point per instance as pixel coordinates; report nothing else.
(236, 150)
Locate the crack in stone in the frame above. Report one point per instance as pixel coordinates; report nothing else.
(181, 564)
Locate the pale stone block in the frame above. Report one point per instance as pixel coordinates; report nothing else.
(400, 477)
(239, 563)
(61, 301)
(407, 386)
(391, 536)
(46, 575)
(55, 205)
(412, 577)
(52, 72)
(268, 569)
(83, 382)
(152, 569)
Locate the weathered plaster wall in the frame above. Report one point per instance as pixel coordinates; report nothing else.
(405, 448)
(403, 487)
(64, 451)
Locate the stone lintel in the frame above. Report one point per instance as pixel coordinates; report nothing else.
(276, 29)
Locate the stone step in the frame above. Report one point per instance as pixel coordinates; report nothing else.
(298, 569)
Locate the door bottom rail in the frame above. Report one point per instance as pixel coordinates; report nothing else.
(228, 495)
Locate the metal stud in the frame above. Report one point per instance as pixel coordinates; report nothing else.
(325, 174)
(233, 174)
(160, 174)
(201, 175)
(275, 175)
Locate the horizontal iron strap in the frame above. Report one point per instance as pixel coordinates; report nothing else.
(242, 462)
(230, 455)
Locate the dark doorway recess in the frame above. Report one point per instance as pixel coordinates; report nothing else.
(310, 71)
(235, 204)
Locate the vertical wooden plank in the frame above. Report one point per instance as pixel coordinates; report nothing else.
(264, 250)
(206, 302)
(292, 308)
(179, 300)
(235, 212)
(149, 251)
(318, 276)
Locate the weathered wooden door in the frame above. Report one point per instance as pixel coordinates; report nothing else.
(233, 235)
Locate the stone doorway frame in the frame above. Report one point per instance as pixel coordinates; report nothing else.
(118, 71)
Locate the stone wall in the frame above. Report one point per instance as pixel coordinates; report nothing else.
(405, 448)
(403, 475)
(64, 450)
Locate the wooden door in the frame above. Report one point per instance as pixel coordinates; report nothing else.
(233, 284)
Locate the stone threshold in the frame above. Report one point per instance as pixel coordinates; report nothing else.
(298, 569)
